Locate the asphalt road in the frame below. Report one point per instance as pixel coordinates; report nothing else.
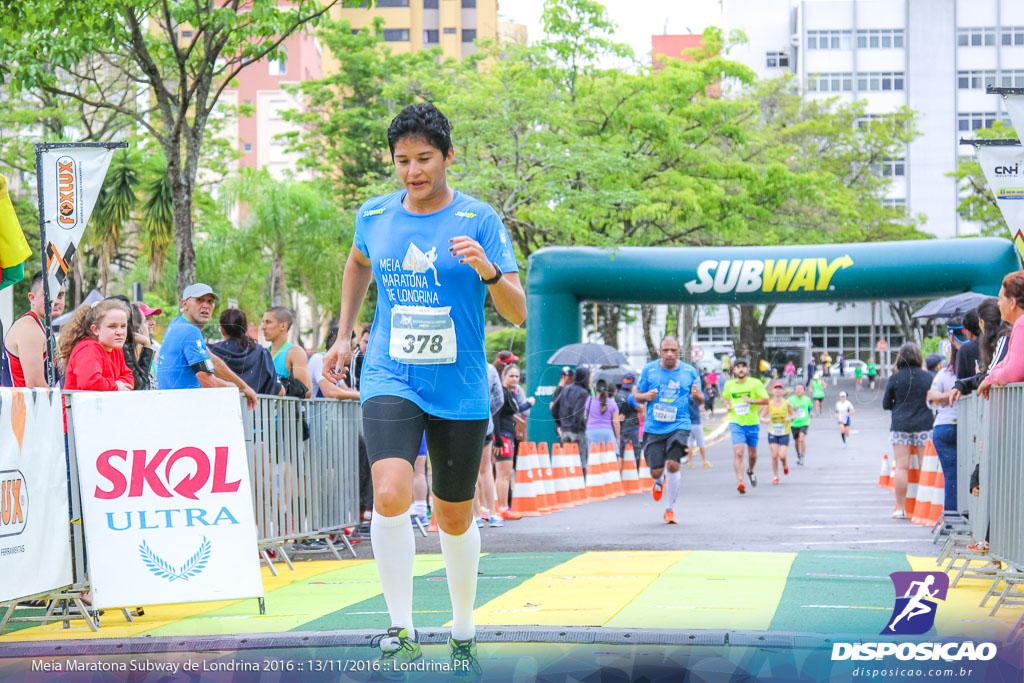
(831, 503)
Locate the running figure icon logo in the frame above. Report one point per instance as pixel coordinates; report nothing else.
(914, 612)
(418, 261)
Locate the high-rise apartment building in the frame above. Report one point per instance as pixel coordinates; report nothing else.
(935, 56)
(451, 25)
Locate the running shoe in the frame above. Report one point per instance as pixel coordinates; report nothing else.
(465, 666)
(496, 521)
(420, 520)
(753, 478)
(800, 460)
(899, 514)
(397, 651)
(785, 467)
(670, 517)
(741, 488)
(508, 515)
(657, 489)
(480, 522)
(707, 464)
(775, 480)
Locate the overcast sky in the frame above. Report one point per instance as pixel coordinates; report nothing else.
(637, 20)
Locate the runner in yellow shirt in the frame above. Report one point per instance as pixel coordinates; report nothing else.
(778, 414)
(740, 393)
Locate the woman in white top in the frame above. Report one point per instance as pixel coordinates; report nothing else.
(844, 411)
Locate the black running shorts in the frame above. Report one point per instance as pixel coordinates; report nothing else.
(661, 447)
(393, 428)
(797, 431)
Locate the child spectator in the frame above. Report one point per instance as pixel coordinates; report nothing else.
(92, 343)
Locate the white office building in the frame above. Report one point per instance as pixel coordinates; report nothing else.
(934, 56)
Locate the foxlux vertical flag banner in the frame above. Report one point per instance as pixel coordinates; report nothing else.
(1003, 166)
(35, 543)
(166, 497)
(71, 181)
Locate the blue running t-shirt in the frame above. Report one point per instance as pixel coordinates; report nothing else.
(183, 346)
(671, 411)
(442, 366)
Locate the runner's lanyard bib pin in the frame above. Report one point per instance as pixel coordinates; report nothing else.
(421, 335)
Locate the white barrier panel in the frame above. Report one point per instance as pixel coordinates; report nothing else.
(35, 548)
(166, 498)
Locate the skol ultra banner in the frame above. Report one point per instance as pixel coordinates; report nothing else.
(71, 181)
(166, 498)
(1003, 166)
(35, 542)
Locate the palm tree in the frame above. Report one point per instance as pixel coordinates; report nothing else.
(113, 211)
(157, 214)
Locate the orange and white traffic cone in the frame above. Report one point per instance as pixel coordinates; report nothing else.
(595, 474)
(524, 493)
(913, 481)
(646, 480)
(885, 476)
(614, 476)
(561, 476)
(577, 484)
(630, 476)
(547, 478)
(928, 509)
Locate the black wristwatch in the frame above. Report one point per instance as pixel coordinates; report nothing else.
(497, 275)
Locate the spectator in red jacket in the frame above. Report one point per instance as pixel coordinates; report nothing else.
(93, 346)
(1011, 307)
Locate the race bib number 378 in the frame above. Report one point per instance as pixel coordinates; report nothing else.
(422, 335)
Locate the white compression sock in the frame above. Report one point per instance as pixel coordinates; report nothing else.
(394, 549)
(672, 489)
(461, 561)
(419, 507)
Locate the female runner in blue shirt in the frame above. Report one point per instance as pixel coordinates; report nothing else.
(435, 253)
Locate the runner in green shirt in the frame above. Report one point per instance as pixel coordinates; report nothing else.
(740, 393)
(872, 372)
(803, 405)
(858, 373)
(817, 393)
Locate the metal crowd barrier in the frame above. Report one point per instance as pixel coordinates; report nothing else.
(304, 466)
(972, 426)
(303, 458)
(990, 435)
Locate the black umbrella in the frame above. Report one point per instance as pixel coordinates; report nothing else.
(588, 354)
(950, 306)
(613, 376)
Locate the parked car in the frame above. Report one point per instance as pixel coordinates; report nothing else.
(851, 365)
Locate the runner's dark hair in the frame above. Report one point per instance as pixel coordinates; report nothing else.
(236, 326)
(602, 390)
(988, 311)
(421, 120)
(909, 356)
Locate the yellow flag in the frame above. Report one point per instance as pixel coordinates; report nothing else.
(13, 247)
